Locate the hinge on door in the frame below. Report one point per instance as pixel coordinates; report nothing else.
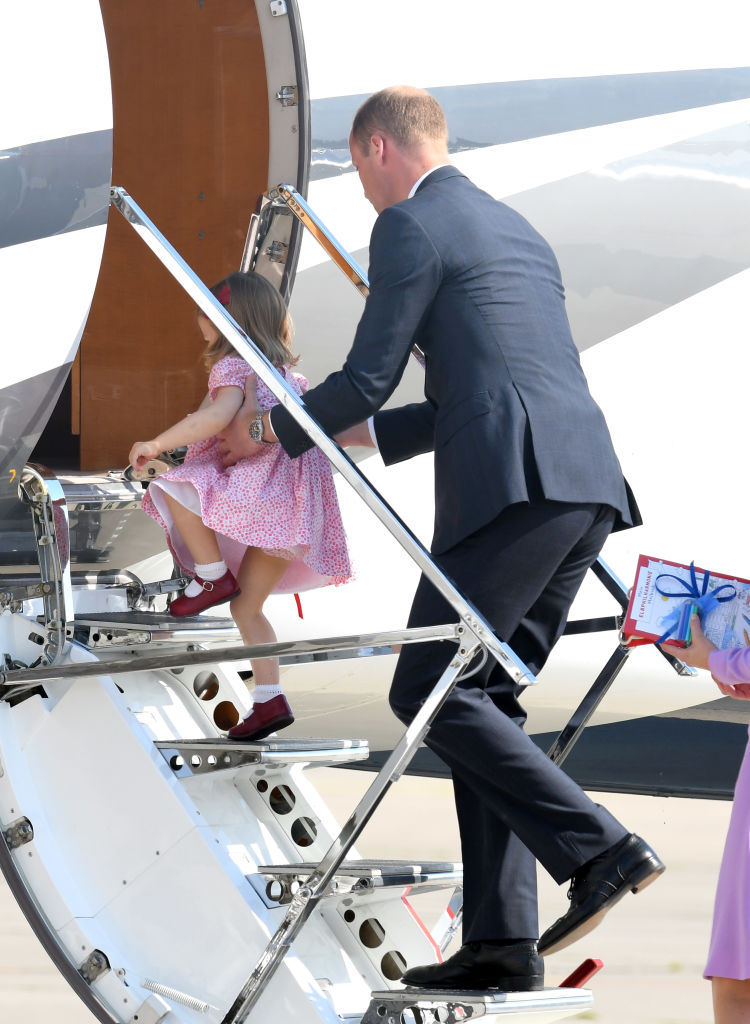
(18, 833)
(287, 96)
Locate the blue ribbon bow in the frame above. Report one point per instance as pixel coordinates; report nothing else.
(700, 596)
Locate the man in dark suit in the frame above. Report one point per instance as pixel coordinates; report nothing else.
(527, 488)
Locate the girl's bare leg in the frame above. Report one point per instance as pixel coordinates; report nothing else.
(258, 575)
(200, 540)
(731, 1001)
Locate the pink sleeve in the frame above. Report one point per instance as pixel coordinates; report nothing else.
(231, 371)
(730, 666)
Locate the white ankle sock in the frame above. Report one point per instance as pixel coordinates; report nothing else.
(263, 693)
(209, 571)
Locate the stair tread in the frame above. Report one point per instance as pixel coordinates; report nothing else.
(442, 995)
(203, 756)
(154, 621)
(488, 1002)
(362, 868)
(273, 746)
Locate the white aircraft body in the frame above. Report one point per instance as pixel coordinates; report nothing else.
(173, 877)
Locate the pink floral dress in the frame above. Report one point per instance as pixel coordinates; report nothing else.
(287, 507)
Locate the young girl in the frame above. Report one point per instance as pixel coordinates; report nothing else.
(268, 524)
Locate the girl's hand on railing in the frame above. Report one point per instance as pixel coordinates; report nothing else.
(142, 452)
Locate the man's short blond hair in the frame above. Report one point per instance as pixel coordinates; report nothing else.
(407, 115)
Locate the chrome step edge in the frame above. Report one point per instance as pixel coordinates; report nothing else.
(277, 883)
(202, 756)
(458, 1007)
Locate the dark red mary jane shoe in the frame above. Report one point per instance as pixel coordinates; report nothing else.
(263, 720)
(214, 592)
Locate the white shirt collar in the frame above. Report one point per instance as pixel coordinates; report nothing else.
(419, 181)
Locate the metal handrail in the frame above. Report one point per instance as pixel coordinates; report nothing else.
(306, 898)
(474, 633)
(307, 217)
(220, 318)
(26, 678)
(41, 489)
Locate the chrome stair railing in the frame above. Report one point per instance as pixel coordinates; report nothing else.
(472, 619)
(471, 634)
(41, 490)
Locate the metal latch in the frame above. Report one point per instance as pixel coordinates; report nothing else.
(277, 252)
(18, 832)
(287, 96)
(95, 964)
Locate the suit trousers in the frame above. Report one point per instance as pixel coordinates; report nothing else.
(514, 806)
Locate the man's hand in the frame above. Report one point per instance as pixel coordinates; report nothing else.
(234, 441)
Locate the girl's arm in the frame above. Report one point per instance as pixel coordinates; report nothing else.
(729, 669)
(196, 426)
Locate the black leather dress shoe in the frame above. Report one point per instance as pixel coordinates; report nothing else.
(479, 965)
(630, 865)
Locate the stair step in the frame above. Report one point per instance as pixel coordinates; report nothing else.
(458, 1007)
(136, 628)
(201, 756)
(360, 877)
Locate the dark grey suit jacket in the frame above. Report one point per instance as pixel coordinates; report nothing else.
(507, 408)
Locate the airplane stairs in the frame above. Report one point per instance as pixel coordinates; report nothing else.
(173, 875)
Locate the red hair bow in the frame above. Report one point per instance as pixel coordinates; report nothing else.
(224, 295)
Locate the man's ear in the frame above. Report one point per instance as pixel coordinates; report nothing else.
(378, 144)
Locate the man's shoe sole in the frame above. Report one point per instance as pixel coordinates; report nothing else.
(648, 872)
(526, 983)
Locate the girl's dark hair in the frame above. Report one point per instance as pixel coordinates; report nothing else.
(261, 313)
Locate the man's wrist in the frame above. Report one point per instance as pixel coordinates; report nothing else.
(255, 429)
(259, 428)
(269, 435)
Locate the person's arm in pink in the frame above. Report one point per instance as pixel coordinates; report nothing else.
(731, 671)
(730, 668)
